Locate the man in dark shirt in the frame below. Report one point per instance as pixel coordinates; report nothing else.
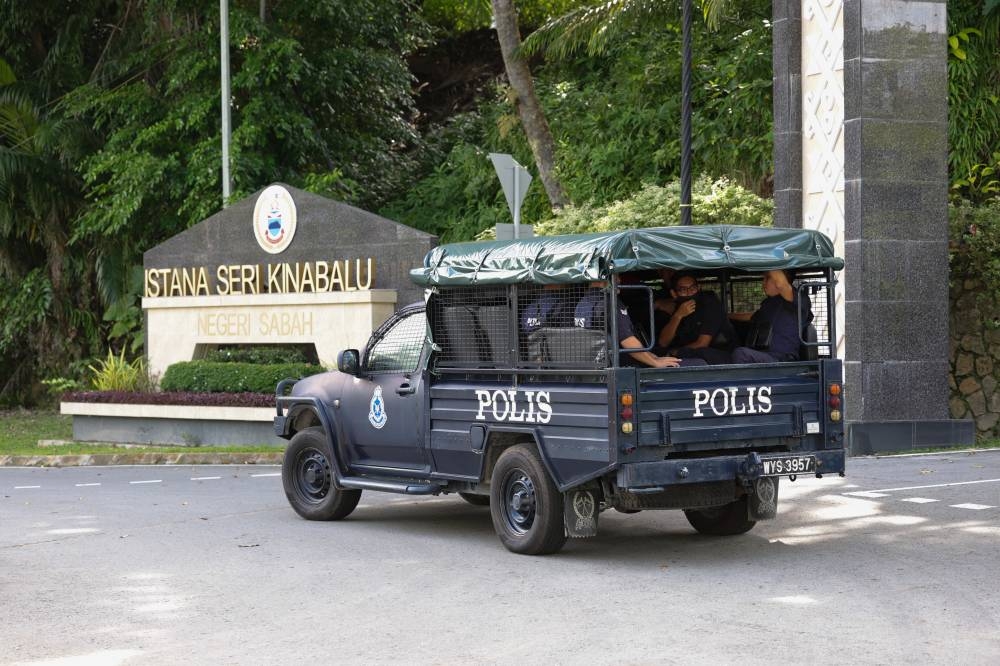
(780, 310)
(699, 327)
(589, 313)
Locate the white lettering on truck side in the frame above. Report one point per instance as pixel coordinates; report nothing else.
(533, 407)
(730, 401)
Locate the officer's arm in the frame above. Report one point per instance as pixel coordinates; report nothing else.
(647, 358)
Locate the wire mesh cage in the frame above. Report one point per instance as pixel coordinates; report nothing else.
(746, 292)
(556, 326)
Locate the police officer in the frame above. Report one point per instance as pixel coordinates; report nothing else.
(699, 327)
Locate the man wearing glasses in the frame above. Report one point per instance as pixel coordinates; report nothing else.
(699, 327)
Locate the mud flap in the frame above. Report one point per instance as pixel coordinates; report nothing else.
(763, 501)
(580, 513)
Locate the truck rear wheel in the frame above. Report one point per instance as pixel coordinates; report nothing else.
(307, 475)
(526, 506)
(726, 520)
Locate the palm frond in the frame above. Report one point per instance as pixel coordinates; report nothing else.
(594, 28)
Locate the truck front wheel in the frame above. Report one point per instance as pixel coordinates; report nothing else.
(526, 506)
(726, 520)
(307, 475)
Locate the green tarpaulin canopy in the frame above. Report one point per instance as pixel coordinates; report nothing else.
(585, 257)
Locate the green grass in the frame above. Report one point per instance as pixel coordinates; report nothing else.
(20, 431)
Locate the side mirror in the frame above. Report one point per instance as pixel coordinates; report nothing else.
(347, 362)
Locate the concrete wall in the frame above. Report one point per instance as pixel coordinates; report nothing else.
(175, 327)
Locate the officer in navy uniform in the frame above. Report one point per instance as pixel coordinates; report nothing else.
(780, 310)
(544, 311)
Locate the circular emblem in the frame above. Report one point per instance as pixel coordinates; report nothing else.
(274, 219)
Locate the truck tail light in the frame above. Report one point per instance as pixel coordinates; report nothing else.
(626, 399)
(834, 401)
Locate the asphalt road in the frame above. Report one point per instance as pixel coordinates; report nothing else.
(897, 563)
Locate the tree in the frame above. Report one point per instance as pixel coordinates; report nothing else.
(536, 128)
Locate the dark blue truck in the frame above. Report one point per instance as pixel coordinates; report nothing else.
(496, 389)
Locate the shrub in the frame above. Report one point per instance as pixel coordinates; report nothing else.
(212, 377)
(114, 373)
(173, 398)
(975, 249)
(272, 355)
(712, 202)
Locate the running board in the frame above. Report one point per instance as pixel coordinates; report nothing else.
(401, 487)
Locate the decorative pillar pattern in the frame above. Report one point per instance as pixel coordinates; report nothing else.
(823, 129)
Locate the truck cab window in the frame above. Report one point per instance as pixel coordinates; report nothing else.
(398, 351)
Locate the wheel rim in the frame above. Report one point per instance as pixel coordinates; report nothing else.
(312, 476)
(519, 501)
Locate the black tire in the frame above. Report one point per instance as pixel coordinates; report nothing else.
(475, 500)
(526, 506)
(726, 520)
(307, 476)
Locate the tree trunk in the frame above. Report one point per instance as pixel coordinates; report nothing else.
(536, 128)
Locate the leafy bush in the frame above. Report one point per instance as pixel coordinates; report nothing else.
(212, 377)
(718, 202)
(173, 398)
(975, 249)
(114, 373)
(272, 355)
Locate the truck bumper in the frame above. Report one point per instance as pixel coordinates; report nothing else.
(745, 468)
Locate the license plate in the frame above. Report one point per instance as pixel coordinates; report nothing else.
(789, 465)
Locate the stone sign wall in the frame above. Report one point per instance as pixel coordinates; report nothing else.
(281, 267)
(975, 360)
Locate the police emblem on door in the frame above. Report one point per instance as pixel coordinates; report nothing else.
(376, 411)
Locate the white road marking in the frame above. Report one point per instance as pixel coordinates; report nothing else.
(205, 478)
(974, 507)
(919, 500)
(150, 481)
(866, 493)
(25, 487)
(269, 474)
(936, 485)
(84, 485)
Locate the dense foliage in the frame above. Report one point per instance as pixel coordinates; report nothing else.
(615, 120)
(974, 98)
(110, 143)
(212, 377)
(975, 251)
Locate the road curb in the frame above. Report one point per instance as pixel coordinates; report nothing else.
(83, 460)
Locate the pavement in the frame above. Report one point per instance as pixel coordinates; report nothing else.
(896, 563)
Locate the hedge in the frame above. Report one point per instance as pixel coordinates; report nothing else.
(185, 398)
(214, 377)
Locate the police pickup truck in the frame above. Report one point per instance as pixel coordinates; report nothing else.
(496, 388)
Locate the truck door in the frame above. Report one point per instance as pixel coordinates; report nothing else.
(382, 413)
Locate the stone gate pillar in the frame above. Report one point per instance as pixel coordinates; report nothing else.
(861, 150)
